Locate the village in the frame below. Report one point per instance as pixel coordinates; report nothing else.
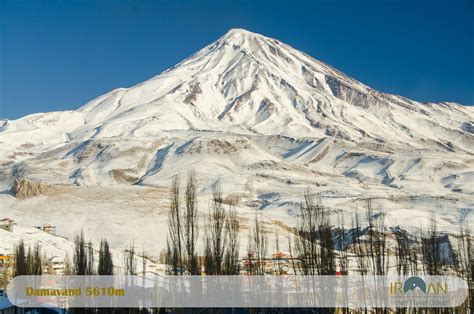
(51, 265)
(279, 263)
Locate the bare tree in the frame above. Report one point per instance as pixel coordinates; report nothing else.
(130, 263)
(343, 260)
(414, 262)
(208, 254)
(191, 224)
(144, 262)
(80, 258)
(106, 265)
(359, 246)
(465, 258)
(292, 257)
(37, 264)
(90, 259)
(431, 250)
(231, 257)
(278, 269)
(259, 246)
(342, 245)
(215, 239)
(249, 263)
(21, 265)
(403, 253)
(377, 237)
(305, 241)
(466, 253)
(314, 243)
(29, 261)
(175, 230)
(171, 257)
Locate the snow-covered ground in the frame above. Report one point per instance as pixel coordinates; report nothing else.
(265, 120)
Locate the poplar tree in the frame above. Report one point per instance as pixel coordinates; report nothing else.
(231, 257)
(83, 259)
(129, 260)
(36, 266)
(215, 239)
(259, 246)
(106, 265)
(21, 265)
(191, 224)
(314, 243)
(175, 245)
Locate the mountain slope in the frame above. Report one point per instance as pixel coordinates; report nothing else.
(261, 117)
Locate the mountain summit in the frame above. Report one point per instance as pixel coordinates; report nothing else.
(262, 86)
(260, 116)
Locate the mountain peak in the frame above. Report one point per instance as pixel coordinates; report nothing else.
(239, 36)
(246, 82)
(239, 32)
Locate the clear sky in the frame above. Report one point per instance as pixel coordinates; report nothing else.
(57, 55)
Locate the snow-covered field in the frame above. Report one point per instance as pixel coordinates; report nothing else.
(265, 120)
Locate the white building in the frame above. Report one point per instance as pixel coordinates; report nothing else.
(56, 265)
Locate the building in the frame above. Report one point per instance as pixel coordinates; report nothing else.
(47, 228)
(7, 224)
(56, 266)
(6, 261)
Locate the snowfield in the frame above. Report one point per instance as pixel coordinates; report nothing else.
(263, 118)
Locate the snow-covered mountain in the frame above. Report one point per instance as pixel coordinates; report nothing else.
(268, 121)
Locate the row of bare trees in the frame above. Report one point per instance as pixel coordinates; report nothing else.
(317, 248)
(83, 261)
(183, 228)
(32, 261)
(314, 244)
(27, 263)
(221, 241)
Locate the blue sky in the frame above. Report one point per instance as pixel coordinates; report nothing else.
(57, 55)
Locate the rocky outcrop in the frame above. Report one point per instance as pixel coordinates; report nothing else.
(24, 188)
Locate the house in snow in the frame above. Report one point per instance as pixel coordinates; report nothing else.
(47, 228)
(7, 224)
(6, 262)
